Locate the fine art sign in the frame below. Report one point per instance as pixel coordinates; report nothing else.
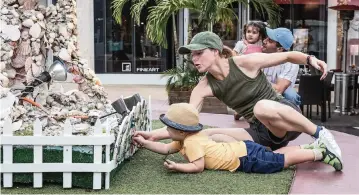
(147, 69)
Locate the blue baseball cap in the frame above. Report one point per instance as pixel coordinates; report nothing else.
(281, 35)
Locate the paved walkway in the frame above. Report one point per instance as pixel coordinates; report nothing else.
(310, 177)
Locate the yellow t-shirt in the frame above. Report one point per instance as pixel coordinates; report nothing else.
(217, 156)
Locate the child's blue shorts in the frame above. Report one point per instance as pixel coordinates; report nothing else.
(260, 160)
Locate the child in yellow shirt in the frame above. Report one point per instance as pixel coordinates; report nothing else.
(183, 126)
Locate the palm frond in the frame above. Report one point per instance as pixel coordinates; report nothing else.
(264, 7)
(158, 17)
(117, 6)
(208, 10)
(226, 15)
(269, 8)
(136, 10)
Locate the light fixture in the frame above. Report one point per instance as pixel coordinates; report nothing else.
(57, 71)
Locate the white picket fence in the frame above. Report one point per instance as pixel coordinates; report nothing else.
(140, 115)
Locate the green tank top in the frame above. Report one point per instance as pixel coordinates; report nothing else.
(240, 92)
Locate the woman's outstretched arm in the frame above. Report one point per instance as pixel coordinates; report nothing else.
(257, 61)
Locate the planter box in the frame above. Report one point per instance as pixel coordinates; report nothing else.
(81, 161)
(210, 104)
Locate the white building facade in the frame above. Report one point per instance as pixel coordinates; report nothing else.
(121, 54)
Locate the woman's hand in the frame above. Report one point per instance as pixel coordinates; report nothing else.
(320, 65)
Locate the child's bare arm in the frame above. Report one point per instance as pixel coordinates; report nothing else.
(196, 166)
(157, 147)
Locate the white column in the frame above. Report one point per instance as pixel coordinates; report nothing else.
(185, 25)
(332, 36)
(85, 27)
(183, 20)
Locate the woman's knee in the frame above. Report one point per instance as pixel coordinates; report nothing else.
(271, 110)
(265, 109)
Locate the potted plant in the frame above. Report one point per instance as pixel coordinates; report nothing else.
(180, 83)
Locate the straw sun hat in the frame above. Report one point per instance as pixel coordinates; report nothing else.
(182, 116)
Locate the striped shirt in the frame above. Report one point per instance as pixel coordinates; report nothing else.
(286, 71)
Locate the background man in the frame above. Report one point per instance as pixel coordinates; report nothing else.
(283, 76)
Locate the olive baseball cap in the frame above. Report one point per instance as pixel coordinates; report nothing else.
(202, 40)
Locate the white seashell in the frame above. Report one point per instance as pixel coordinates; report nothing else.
(71, 47)
(2, 66)
(11, 73)
(51, 40)
(11, 53)
(16, 125)
(25, 34)
(63, 31)
(28, 23)
(29, 77)
(4, 81)
(70, 25)
(4, 11)
(35, 30)
(38, 58)
(81, 127)
(28, 63)
(15, 22)
(19, 61)
(64, 55)
(29, 4)
(56, 48)
(24, 48)
(36, 91)
(10, 32)
(36, 70)
(33, 18)
(21, 2)
(39, 16)
(14, 13)
(5, 56)
(42, 24)
(35, 48)
(52, 35)
(2, 24)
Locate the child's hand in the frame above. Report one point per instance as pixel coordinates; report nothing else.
(145, 135)
(170, 165)
(138, 140)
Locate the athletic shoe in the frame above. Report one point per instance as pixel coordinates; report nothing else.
(327, 139)
(330, 158)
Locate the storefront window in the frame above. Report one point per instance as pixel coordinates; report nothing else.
(150, 58)
(125, 48)
(307, 19)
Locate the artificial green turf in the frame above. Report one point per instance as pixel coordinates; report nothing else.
(144, 173)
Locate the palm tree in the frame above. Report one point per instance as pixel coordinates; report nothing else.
(211, 11)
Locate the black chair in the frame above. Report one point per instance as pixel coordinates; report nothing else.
(328, 88)
(311, 90)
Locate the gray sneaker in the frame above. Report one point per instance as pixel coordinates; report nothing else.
(327, 139)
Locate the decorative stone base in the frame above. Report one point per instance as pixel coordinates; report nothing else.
(210, 104)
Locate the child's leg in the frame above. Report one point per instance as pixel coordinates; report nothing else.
(301, 155)
(287, 149)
